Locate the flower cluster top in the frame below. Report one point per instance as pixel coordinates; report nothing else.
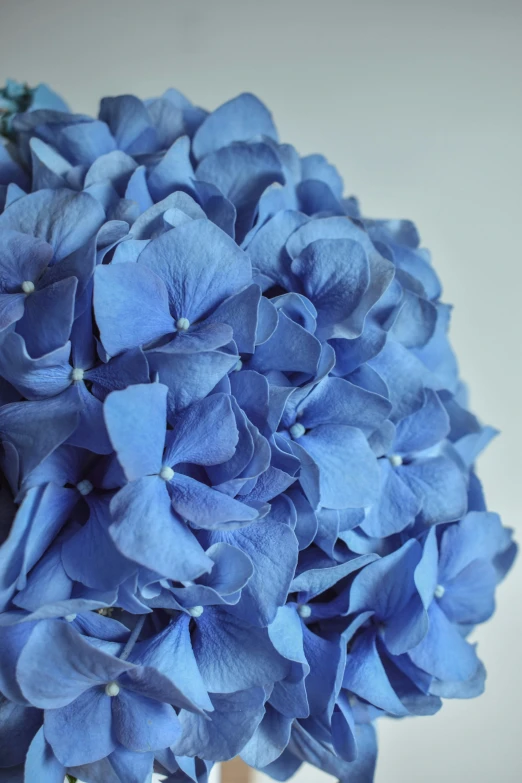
(239, 513)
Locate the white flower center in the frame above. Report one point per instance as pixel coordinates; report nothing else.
(166, 473)
(182, 324)
(238, 366)
(28, 286)
(304, 611)
(439, 591)
(395, 460)
(84, 487)
(112, 689)
(77, 374)
(70, 617)
(297, 430)
(195, 611)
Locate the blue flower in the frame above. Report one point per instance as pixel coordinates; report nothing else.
(238, 500)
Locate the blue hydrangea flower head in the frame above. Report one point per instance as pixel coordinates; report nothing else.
(239, 512)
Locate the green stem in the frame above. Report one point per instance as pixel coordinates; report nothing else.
(70, 779)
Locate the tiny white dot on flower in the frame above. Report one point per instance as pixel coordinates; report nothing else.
(112, 689)
(238, 365)
(297, 430)
(395, 460)
(70, 617)
(77, 374)
(182, 324)
(166, 473)
(304, 611)
(195, 611)
(439, 591)
(84, 487)
(28, 287)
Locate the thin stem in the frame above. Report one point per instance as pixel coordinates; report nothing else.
(133, 638)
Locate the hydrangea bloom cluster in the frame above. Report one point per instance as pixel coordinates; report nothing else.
(239, 513)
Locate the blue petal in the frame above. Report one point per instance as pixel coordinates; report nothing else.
(335, 275)
(324, 658)
(56, 665)
(240, 119)
(365, 676)
(247, 657)
(173, 172)
(130, 124)
(349, 474)
(36, 429)
(337, 401)
(41, 763)
(141, 724)
(269, 740)
(204, 434)
(64, 219)
(19, 725)
(290, 349)
(147, 531)
(81, 732)
(115, 167)
(387, 585)
(232, 723)
(272, 547)
(131, 307)
(240, 312)
(205, 506)
(21, 258)
(35, 378)
(423, 428)
(90, 556)
(48, 317)
(200, 266)
(443, 652)
(267, 249)
(242, 172)
(189, 376)
(136, 423)
(440, 486)
(397, 505)
(170, 653)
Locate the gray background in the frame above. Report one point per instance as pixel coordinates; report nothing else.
(419, 105)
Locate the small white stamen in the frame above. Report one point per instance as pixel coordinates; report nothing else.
(112, 689)
(70, 618)
(439, 591)
(395, 460)
(28, 287)
(195, 611)
(182, 324)
(166, 473)
(304, 611)
(237, 366)
(297, 430)
(77, 374)
(84, 487)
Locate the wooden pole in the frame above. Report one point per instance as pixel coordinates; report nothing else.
(236, 771)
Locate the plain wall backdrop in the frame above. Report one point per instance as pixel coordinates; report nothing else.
(419, 105)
